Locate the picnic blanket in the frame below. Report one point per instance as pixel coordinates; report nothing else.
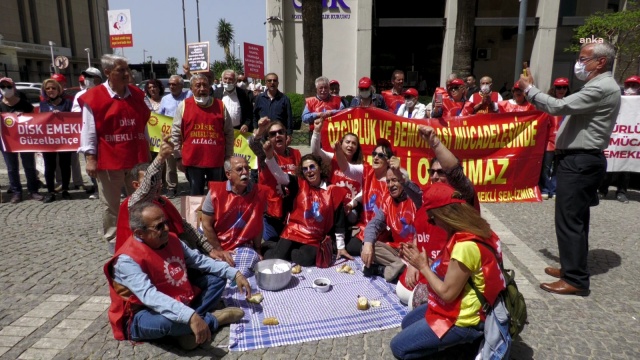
(306, 315)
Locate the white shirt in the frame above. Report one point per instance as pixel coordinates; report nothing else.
(231, 102)
(419, 111)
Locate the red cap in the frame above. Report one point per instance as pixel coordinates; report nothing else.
(81, 78)
(383, 142)
(334, 82)
(516, 85)
(633, 79)
(439, 195)
(59, 78)
(7, 79)
(364, 83)
(561, 82)
(411, 92)
(456, 82)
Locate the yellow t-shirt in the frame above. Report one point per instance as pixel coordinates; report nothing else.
(468, 253)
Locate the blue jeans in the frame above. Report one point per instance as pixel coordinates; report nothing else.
(13, 169)
(417, 340)
(150, 325)
(547, 181)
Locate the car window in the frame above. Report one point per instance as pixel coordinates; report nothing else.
(32, 94)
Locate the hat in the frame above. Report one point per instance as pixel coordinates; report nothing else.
(438, 195)
(561, 82)
(93, 72)
(332, 82)
(59, 78)
(81, 78)
(411, 92)
(456, 82)
(633, 79)
(383, 142)
(7, 79)
(364, 83)
(516, 85)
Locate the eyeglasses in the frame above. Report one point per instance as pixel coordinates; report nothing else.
(431, 220)
(562, 87)
(271, 80)
(306, 169)
(276, 132)
(160, 226)
(380, 155)
(583, 60)
(6, 87)
(440, 172)
(456, 88)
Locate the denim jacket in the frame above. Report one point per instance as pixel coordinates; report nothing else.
(496, 344)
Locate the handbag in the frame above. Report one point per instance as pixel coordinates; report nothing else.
(324, 256)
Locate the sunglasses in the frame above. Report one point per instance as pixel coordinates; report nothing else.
(440, 172)
(380, 155)
(276, 132)
(455, 88)
(271, 80)
(6, 87)
(306, 169)
(431, 220)
(160, 226)
(562, 87)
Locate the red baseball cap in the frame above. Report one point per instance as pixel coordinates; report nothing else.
(456, 82)
(81, 78)
(516, 85)
(411, 92)
(439, 195)
(561, 82)
(7, 79)
(633, 79)
(334, 82)
(364, 83)
(59, 78)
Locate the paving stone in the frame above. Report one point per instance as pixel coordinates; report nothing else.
(62, 298)
(29, 321)
(51, 343)
(8, 340)
(17, 330)
(38, 354)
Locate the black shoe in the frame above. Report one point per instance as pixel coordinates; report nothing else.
(172, 193)
(49, 198)
(90, 190)
(36, 196)
(373, 270)
(66, 195)
(367, 272)
(16, 198)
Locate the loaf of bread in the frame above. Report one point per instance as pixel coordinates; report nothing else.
(255, 298)
(270, 321)
(363, 303)
(296, 269)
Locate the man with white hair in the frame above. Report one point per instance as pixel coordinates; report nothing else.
(113, 138)
(236, 101)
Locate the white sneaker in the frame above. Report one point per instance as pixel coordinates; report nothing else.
(545, 196)
(94, 196)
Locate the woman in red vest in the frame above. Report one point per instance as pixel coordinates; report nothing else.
(316, 212)
(453, 314)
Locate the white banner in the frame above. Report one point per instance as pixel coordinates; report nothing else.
(623, 153)
(119, 22)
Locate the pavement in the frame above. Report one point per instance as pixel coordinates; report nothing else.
(54, 294)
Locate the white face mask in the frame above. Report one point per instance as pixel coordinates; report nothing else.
(486, 88)
(7, 93)
(242, 84)
(579, 70)
(229, 87)
(365, 93)
(88, 83)
(630, 91)
(410, 103)
(201, 100)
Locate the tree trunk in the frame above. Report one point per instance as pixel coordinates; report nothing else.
(312, 37)
(463, 47)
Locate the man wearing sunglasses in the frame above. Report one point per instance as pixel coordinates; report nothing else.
(590, 115)
(273, 105)
(452, 103)
(519, 102)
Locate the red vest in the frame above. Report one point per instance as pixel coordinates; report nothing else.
(288, 164)
(373, 192)
(316, 105)
(508, 106)
(338, 178)
(203, 142)
(120, 126)
(476, 99)
(166, 270)
(451, 107)
(311, 218)
(554, 124)
(392, 100)
(400, 219)
(123, 230)
(238, 218)
(441, 316)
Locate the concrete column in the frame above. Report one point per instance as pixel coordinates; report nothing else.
(274, 51)
(446, 65)
(542, 54)
(363, 43)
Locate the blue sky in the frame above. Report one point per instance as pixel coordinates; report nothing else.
(158, 27)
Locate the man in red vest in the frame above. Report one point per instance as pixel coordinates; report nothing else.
(395, 97)
(322, 105)
(203, 130)
(232, 216)
(113, 137)
(519, 102)
(151, 295)
(485, 100)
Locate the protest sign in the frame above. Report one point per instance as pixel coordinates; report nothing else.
(45, 132)
(198, 57)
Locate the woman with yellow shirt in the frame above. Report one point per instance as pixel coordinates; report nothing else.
(453, 315)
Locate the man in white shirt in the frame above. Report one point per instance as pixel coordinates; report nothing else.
(236, 101)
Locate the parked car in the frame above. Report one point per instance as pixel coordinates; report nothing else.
(29, 84)
(31, 93)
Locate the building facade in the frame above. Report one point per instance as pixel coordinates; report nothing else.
(373, 38)
(77, 29)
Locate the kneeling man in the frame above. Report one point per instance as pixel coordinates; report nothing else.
(151, 296)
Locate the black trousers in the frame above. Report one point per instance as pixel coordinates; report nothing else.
(51, 160)
(578, 178)
(293, 251)
(619, 179)
(198, 177)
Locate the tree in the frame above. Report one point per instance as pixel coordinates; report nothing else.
(312, 38)
(231, 62)
(621, 29)
(225, 36)
(463, 46)
(172, 65)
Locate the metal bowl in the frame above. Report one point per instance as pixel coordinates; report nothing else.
(271, 280)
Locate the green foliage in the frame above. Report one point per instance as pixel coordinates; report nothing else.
(225, 36)
(172, 65)
(230, 62)
(297, 104)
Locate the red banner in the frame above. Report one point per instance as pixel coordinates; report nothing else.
(500, 153)
(254, 61)
(120, 41)
(45, 132)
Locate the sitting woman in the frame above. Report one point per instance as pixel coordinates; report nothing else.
(316, 212)
(453, 314)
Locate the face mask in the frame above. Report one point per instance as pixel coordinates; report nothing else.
(229, 87)
(88, 84)
(485, 88)
(410, 103)
(630, 91)
(242, 84)
(8, 93)
(365, 93)
(579, 70)
(201, 100)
